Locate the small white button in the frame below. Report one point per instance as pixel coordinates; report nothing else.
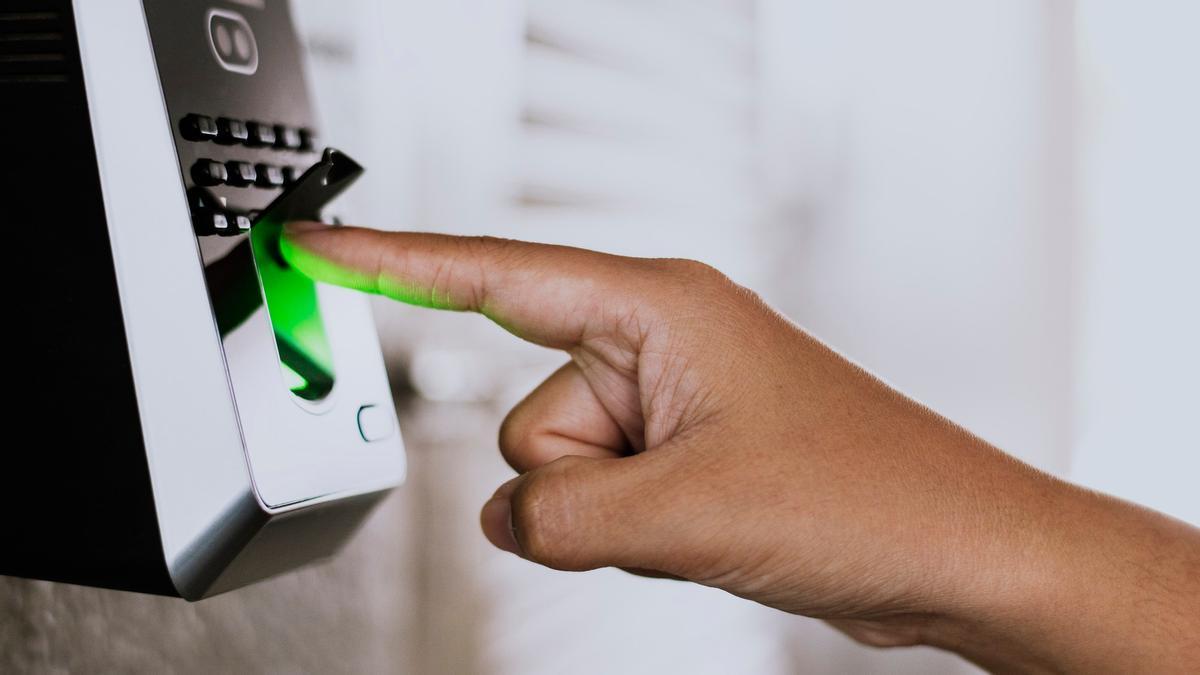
(375, 423)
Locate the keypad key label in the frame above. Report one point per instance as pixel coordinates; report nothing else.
(261, 134)
(270, 176)
(287, 138)
(231, 131)
(198, 128)
(241, 173)
(209, 173)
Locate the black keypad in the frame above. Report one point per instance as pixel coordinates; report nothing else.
(269, 176)
(200, 199)
(208, 173)
(287, 138)
(212, 221)
(261, 134)
(231, 131)
(213, 215)
(241, 173)
(198, 128)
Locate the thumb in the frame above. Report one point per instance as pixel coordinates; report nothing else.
(579, 513)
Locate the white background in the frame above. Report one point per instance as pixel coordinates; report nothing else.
(990, 203)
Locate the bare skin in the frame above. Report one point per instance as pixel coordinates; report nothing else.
(696, 433)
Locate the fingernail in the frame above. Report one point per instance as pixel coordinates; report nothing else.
(496, 518)
(303, 226)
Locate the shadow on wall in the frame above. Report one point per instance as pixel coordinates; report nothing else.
(357, 614)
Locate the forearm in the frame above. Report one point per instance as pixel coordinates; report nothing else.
(1009, 567)
(1092, 584)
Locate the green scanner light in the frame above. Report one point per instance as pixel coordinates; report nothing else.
(305, 357)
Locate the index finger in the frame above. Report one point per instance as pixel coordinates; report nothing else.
(553, 295)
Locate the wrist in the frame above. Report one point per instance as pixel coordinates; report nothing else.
(1087, 583)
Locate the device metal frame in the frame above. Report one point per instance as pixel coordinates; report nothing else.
(217, 532)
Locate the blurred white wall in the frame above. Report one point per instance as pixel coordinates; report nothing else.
(624, 126)
(917, 161)
(907, 180)
(1138, 339)
(927, 238)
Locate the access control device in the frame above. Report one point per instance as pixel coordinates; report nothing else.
(187, 414)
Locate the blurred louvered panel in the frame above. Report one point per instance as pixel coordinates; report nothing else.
(637, 126)
(695, 48)
(608, 101)
(591, 170)
(33, 43)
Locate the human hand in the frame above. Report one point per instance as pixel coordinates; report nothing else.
(698, 434)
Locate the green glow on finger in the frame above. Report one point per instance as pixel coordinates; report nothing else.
(321, 268)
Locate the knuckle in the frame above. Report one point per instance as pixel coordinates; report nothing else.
(490, 251)
(478, 256)
(694, 270)
(543, 514)
(486, 245)
(693, 285)
(516, 439)
(693, 276)
(702, 270)
(442, 281)
(512, 432)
